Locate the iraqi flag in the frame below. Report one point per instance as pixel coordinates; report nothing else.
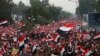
(34, 49)
(50, 39)
(97, 36)
(65, 28)
(87, 52)
(3, 21)
(62, 50)
(54, 37)
(21, 41)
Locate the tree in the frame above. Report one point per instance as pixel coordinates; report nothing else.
(43, 8)
(6, 10)
(22, 8)
(98, 5)
(54, 12)
(65, 14)
(45, 2)
(86, 6)
(19, 10)
(43, 13)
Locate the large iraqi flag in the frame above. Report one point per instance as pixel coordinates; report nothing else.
(66, 27)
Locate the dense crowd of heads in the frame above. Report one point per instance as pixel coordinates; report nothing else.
(46, 41)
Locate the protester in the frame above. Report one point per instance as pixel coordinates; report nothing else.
(44, 40)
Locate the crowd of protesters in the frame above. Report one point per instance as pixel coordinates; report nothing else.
(46, 41)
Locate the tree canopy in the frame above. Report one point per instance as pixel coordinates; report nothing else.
(86, 6)
(5, 8)
(98, 6)
(43, 12)
(44, 9)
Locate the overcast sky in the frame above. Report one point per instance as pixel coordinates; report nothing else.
(67, 5)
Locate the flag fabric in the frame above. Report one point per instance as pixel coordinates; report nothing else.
(34, 49)
(85, 36)
(87, 52)
(50, 39)
(3, 22)
(70, 25)
(53, 55)
(62, 50)
(63, 28)
(1, 55)
(70, 44)
(54, 37)
(1, 52)
(21, 40)
(97, 36)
